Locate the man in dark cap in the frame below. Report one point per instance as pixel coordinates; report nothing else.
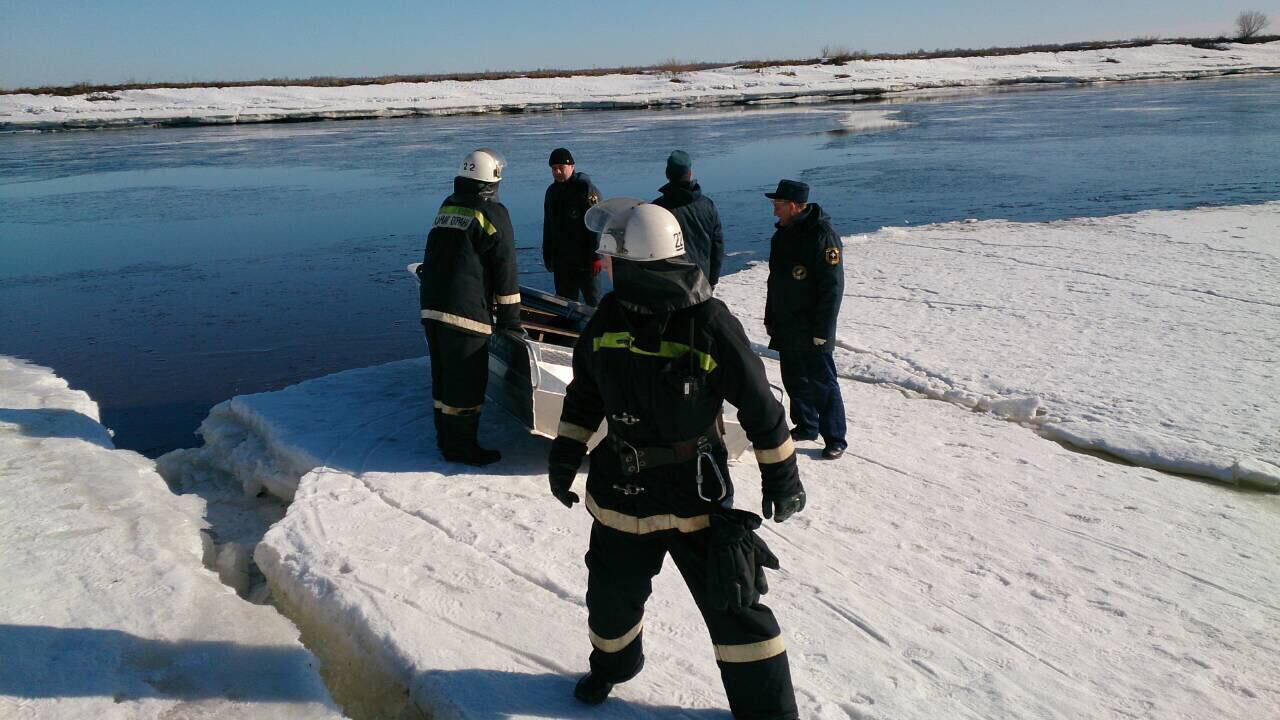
(806, 284)
(699, 220)
(568, 247)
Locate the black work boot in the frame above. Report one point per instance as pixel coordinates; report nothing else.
(833, 451)
(463, 446)
(592, 690)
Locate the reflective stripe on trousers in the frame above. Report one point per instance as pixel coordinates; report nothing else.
(748, 644)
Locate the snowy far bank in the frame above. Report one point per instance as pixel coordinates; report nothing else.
(107, 611)
(1153, 336)
(952, 565)
(723, 86)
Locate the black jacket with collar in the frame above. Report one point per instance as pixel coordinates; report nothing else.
(806, 282)
(699, 221)
(567, 244)
(631, 368)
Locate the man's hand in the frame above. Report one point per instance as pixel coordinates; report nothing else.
(562, 465)
(561, 477)
(781, 507)
(819, 342)
(596, 266)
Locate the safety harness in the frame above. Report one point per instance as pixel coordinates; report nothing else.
(634, 459)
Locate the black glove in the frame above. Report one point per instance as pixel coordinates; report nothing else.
(782, 506)
(736, 561)
(561, 478)
(562, 467)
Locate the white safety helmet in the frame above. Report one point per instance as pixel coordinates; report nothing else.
(635, 230)
(483, 164)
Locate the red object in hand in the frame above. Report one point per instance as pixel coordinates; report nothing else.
(596, 266)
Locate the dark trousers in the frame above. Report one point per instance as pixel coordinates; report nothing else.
(569, 283)
(809, 375)
(621, 567)
(459, 372)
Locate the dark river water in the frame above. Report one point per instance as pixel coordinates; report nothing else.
(165, 270)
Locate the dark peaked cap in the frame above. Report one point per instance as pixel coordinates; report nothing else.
(792, 190)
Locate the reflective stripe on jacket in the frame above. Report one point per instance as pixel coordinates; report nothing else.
(660, 380)
(468, 269)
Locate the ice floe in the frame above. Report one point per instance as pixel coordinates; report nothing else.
(107, 610)
(952, 565)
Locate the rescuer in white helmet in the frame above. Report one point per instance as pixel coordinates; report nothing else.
(657, 360)
(469, 286)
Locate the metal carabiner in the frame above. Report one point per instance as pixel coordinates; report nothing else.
(704, 451)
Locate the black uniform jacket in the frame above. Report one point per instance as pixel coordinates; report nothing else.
(699, 222)
(469, 266)
(631, 369)
(567, 244)
(806, 282)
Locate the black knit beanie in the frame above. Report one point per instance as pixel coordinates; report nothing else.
(561, 156)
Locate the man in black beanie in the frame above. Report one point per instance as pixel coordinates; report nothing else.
(699, 220)
(568, 247)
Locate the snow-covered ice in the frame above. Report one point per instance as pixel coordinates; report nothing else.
(107, 611)
(1154, 337)
(953, 564)
(734, 85)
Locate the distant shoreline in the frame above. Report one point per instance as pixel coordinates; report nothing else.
(845, 77)
(836, 56)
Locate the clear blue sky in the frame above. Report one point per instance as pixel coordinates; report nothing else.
(66, 41)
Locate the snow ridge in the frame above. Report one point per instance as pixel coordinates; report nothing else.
(1150, 337)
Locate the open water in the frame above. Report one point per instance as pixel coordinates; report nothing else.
(166, 270)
